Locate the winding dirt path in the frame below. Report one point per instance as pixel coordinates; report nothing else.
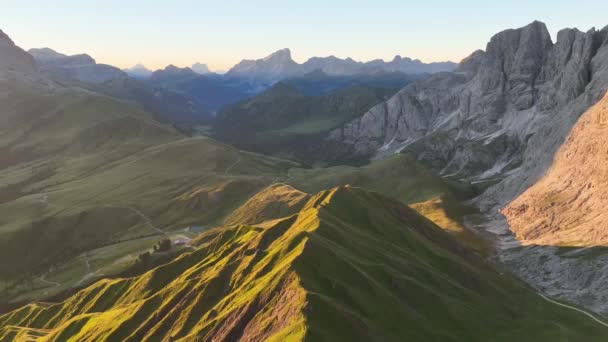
(575, 309)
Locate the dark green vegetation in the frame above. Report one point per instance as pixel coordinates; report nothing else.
(87, 180)
(90, 182)
(283, 121)
(210, 91)
(101, 207)
(319, 83)
(350, 265)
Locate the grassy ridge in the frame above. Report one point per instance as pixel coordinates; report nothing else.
(81, 172)
(351, 265)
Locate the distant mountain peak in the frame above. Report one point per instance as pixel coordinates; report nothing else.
(171, 67)
(45, 53)
(279, 66)
(271, 68)
(200, 68)
(138, 71)
(171, 71)
(279, 55)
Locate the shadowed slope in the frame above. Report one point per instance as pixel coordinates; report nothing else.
(351, 265)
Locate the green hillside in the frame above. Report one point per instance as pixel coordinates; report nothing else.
(351, 265)
(87, 181)
(283, 121)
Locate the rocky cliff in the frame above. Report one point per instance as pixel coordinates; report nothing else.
(567, 206)
(502, 113)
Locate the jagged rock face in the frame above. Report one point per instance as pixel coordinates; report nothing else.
(512, 104)
(273, 68)
(567, 206)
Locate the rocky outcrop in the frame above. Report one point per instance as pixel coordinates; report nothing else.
(276, 66)
(501, 113)
(567, 206)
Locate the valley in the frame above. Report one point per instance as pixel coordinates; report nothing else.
(327, 200)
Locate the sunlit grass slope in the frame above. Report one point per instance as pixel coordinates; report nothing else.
(276, 201)
(400, 177)
(351, 265)
(81, 172)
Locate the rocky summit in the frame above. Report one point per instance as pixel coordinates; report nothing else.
(486, 119)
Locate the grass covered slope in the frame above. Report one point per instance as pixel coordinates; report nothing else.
(401, 177)
(82, 175)
(350, 265)
(275, 201)
(283, 121)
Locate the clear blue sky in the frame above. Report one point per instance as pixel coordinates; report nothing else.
(220, 33)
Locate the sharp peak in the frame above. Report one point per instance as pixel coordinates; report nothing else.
(285, 53)
(401, 58)
(283, 50)
(4, 35)
(535, 28)
(175, 67)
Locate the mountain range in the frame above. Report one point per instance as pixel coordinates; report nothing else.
(83, 71)
(138, 71)
(280, 65)
(497, 121)
(330, 200)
